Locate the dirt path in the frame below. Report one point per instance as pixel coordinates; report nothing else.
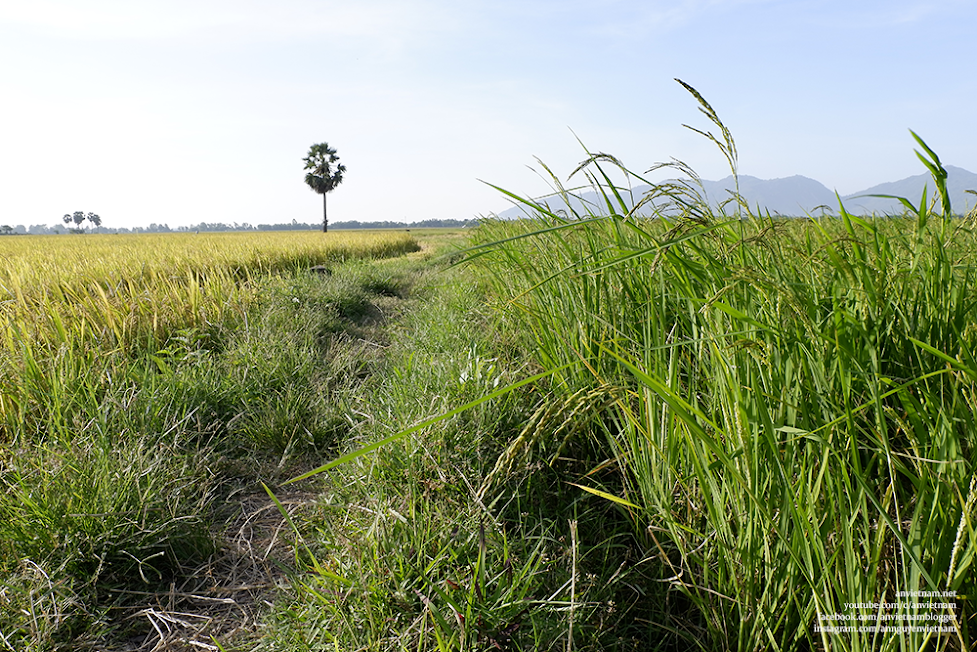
(223, 599)
(220, 604)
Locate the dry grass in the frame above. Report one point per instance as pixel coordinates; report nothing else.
(224, 599)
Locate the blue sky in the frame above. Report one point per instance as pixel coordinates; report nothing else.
(201, 110)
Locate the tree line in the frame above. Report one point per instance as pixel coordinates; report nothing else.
(44, 229)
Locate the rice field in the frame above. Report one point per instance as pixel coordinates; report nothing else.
(790, 413)
(123, 289)
(787, 406)
(657, 424)
(88, 296)
(134, 372)
(730, 431)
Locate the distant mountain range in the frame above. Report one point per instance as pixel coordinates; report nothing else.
(798, 195)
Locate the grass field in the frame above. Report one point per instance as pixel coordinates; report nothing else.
(785, 406)
(665, 428)
(735, 427)
(139, 373)
(789, 408)
(738, 429)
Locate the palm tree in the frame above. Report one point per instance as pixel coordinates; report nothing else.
(326, 173)
(79, 216)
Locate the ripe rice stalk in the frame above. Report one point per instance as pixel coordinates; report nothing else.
(63, 296)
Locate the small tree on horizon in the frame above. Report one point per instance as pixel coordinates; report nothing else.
(79, 216)
(325, 173)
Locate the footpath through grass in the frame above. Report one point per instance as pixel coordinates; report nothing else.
(411, 547)
(149, 387)
(741, 426)
(654, 425)
(133, 515)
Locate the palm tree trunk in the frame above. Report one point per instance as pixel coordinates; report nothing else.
(325, 219)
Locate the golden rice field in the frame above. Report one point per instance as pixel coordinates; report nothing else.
(110, 292)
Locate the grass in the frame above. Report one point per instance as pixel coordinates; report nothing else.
(657, 424)
(402, 554)
(69, 303)
(461, 531)
(791, 403)
(118, 453)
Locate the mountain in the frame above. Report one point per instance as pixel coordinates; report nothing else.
(798, 195)
(794, 195)
(957, 182)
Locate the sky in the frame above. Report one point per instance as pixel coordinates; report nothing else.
(189, 111)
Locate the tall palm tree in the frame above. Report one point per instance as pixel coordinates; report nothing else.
(326, 172)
